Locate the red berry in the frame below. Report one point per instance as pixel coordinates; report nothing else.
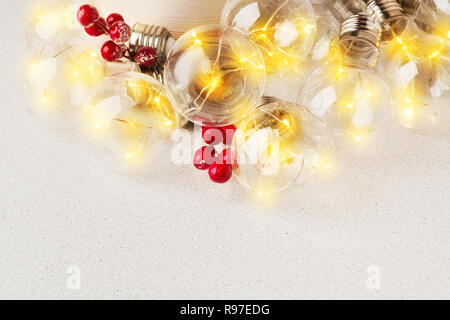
(212, 136)
(228, 156)
(204, 157)
(228, 132)
(111, 51)
(120, 32)
(87, 15)
(97, 29)
(147, 57)
(220, 173)
(113, 18)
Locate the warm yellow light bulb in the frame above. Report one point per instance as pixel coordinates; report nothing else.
(286, 123)
(39, 14)
(326, 165)
(44, 97)
(84, 66)
(409, 113)
(309, 28)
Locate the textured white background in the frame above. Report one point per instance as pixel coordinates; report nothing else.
(171, 233)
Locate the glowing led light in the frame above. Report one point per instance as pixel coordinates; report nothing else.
(44, 96)
(409, 113)
(309, 28)
(434, 54)
(326, 165)
(287, 123)
(340, 71)
(263, 194)
(39, 14)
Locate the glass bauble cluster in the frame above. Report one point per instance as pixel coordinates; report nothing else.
(356, 63)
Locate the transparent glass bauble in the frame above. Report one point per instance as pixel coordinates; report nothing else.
(53, 22)
(420, 82)
(352, 102)
(126, 116)
(60, 80)
(327, 32)
(432, 16)
(275, 144)
(214, 76)
(284, 30)
(418, 68)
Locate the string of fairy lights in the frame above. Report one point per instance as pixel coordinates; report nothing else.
(358, 64)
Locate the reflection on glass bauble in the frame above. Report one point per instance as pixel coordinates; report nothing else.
(284, 30)
(276, 143)
(214, 76)
(124, 117)
(60, 79)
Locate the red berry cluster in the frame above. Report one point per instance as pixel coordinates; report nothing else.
(118, 31)
(206, 158)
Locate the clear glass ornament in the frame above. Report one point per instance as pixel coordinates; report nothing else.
(54, 22)
(432, 16)
(417, 66)
(327, 32)
(419, 74)
(345, 92)
(214, 75)
(352, 102)
(330, 15)
(276, 143)
(284, 30)
(126, 116)
(60, 80)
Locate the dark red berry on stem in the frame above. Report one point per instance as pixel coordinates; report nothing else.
(97, 29)
(204, 157)
(111, 51)
(147, 57)
(87, 15)
(228, 133)
(220, 173)
(120, 32)
(212, 136)
(113, 18)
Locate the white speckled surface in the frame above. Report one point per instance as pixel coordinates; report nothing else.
(172, 234)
